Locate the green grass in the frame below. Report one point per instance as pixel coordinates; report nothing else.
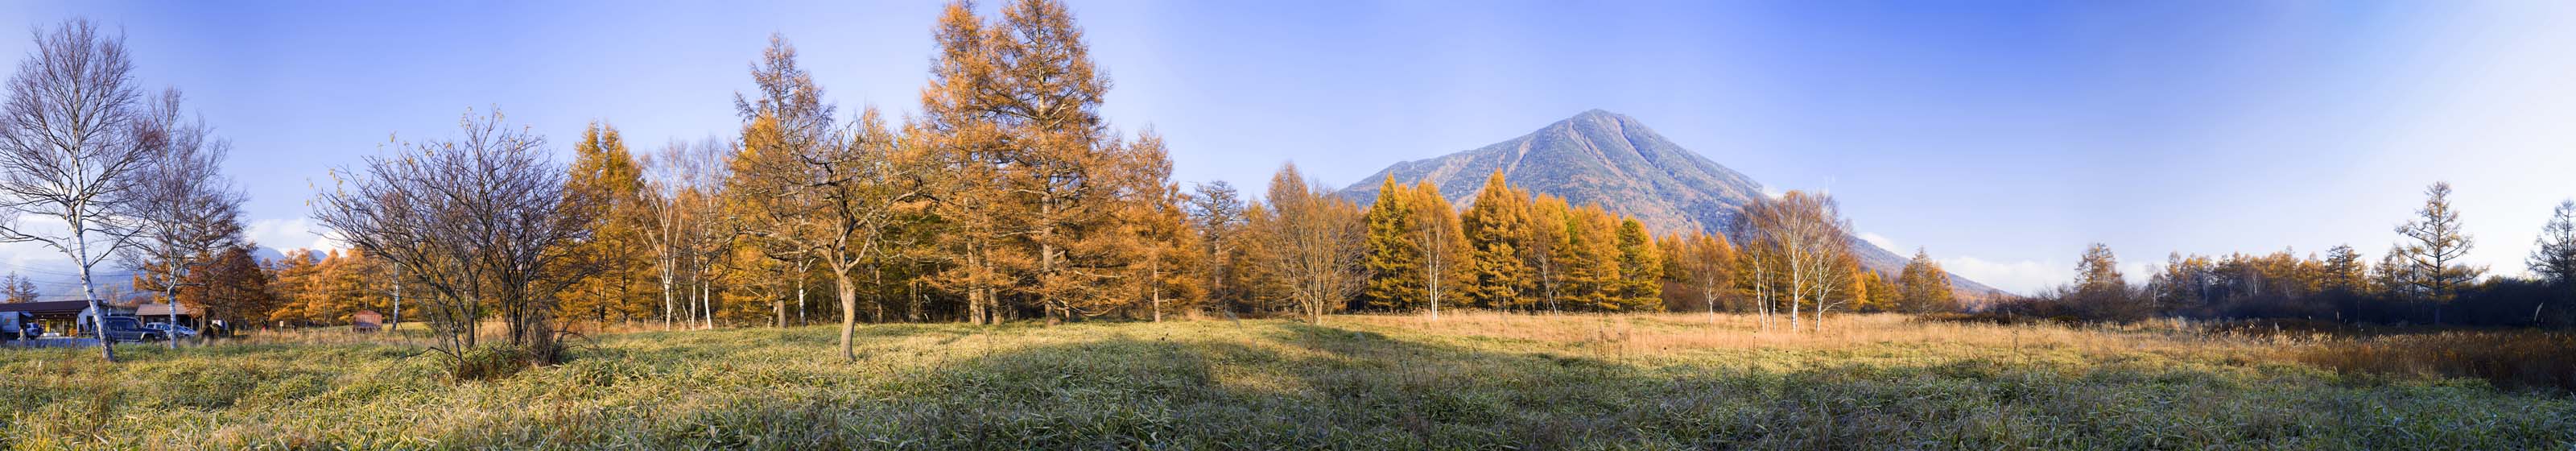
(1470, 381)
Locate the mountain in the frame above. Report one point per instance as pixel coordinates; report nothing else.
(1613, 160)
(267, 255)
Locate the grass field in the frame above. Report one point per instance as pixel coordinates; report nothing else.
(1485, 381)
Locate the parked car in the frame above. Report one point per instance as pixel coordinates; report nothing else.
(173, 330)
(126, 328)
(13, 326)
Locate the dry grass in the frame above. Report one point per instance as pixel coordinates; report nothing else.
(2527, 360)
(1472, 380)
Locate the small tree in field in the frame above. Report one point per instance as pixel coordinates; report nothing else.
(484, 221)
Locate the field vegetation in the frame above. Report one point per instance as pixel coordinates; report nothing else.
(1468, 380)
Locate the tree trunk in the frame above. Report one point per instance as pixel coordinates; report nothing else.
(106, 349)
(849, 312)
(669, 310)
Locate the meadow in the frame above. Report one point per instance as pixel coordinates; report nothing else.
(1466, 381)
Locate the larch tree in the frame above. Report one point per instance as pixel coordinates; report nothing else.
(1497, 230)
(1585, 260)
(1703, 266)
(1923, 287)
(1444, 248)
(235, 290)
(603, 168)
(1641, 268)
(2433, 248)
(1395, 252)
(1171, 267)
(2345, 272)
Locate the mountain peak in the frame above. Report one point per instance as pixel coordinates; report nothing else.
(1597, 113)
(1601, 157)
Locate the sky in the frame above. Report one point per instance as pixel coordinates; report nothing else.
(2000, 136)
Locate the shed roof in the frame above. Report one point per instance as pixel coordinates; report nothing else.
(151, 310)
(46, 307)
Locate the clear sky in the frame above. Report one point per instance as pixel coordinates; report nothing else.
(2003, 136)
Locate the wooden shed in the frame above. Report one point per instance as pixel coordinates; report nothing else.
(366, 321)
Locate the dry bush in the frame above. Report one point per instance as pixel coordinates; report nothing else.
(2519, 359)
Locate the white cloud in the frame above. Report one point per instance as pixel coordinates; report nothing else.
(1880, 240)
(2019, 277)
(298, 233)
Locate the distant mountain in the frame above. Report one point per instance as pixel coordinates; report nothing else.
(1613, 160)
(62, 283)
(267, 255)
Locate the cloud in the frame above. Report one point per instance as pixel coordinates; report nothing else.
(298, 233)
(2019, 277)
(1880, 240)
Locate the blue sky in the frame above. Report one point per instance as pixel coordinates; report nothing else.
(2001, 135)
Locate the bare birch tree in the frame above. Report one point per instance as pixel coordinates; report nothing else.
(72, 137)
(183, 208)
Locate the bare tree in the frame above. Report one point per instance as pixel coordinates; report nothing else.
(1217, 212)
(682, 190)
(183, 208)
(481, 221)
(2553, 255)
(1795, 251)
(71, 139)
(836, 203)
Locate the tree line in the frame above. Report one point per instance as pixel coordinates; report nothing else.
(2421, 279)
(1009, 197)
